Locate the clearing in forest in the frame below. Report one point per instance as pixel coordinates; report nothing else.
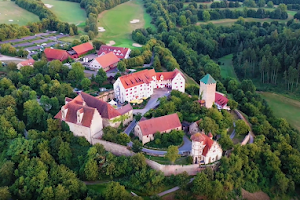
(226, 66)
(284, 107)
(66, 11)
(11, 13)
(116, 22)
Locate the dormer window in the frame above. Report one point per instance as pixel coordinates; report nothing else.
(79, 115)
(161, 77)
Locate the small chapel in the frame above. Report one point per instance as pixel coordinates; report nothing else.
(204, 149)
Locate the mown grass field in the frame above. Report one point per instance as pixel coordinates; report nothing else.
(116, 22)
(10, 11)
(67, 11)
(227, 67)
(284, 107)
(229, 22)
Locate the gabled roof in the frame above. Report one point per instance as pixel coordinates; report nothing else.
(56, 54)
(208, 79)
(159, 124)
(138, 78)
(107, 59)
(83, 48)
(200, 137)
(125, 109)
(220, 99)
(120, 52)
(88, 114)
(29, 62)
(167, 75)
(104, 109)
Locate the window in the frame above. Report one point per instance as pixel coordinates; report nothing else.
(126, 90)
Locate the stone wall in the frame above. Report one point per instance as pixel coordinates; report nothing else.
(114, 148)
(107, 95)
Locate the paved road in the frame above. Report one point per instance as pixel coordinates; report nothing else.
(172, 189)
(152, 103)
(8, 58)
(108, 74)
(187, 145)
(151, 62)
(130, 127)
(233, 132)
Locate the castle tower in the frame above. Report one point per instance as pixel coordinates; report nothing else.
(208, 90)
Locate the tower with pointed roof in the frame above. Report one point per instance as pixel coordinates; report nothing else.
(208, 90)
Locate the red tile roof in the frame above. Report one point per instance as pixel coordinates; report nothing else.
(29, 62)
(83, 48)
(167, 75)
(137, 78)
(107, 60)
(56, 54)
(200, 137)
(220, 99)
(160, 124)
(125, 109)
(120, 52)
(71, 116)
(104, 108)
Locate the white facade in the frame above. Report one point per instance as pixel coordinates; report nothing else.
(213, 154)
(145, 90)
(95, 65)
(208, 93)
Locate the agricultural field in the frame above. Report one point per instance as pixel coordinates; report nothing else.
(116, 23)
(66, 11)
(226, 66)
(284, 107)
(10, 13)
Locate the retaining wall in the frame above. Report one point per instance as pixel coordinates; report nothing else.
(114, 148)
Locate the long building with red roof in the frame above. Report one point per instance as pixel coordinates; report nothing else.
(106, 62)
(56, 54)
(141, 84)
(146, 129)
(86, 115)
(204, 149)
(120, 52)
(80, 50)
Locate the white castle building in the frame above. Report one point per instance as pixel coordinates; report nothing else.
(204, 149)
(141, 84)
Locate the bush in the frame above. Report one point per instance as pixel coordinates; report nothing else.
(190, 159)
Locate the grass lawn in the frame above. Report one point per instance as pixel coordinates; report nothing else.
(165, 161)
(227, 68)
(284, 107)
(10, 11)
(67, 11)
(116, 22)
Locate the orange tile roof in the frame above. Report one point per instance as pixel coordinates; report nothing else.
(107, 59)
(200, 137)
(56, 54)
(160, 124)
(83, 48)
(167, 75)
(27, 62)
(137, 78)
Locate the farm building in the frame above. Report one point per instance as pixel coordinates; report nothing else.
(56, 54)
(120, 52)
(29, 62)
(106, 62)
(141, 84)
(80, 50)
(146, 129)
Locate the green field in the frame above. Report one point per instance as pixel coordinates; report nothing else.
(229, 22)
(227, 67)
(10, 11)
(116, 22)
(67, 11)
(284, 107)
